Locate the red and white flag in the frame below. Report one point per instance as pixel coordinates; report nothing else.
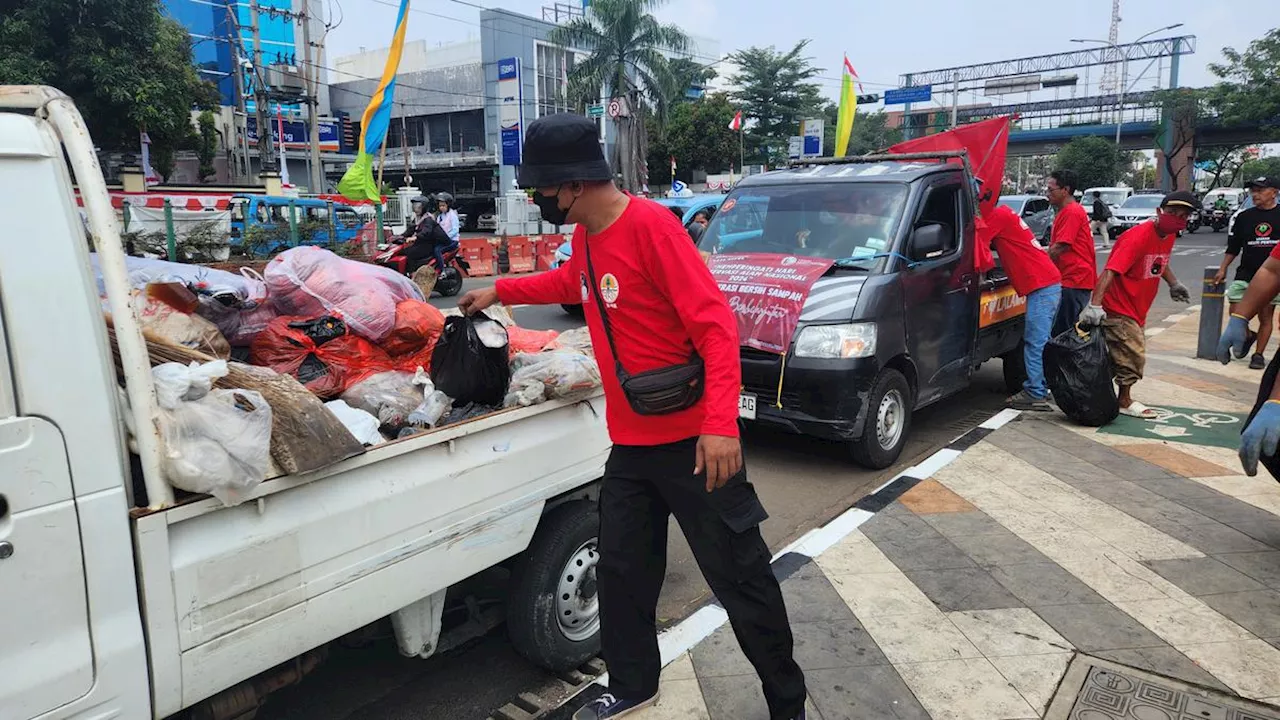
(673, 167)
(736, 123)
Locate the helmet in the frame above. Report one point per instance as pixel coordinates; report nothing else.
(422, 199)
(444, 197)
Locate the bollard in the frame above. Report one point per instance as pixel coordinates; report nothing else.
(171, 241)
(1212, 298)
(377, 214)
(124, 211)
(293, 224)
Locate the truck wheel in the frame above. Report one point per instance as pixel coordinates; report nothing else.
(1015, 369)
(888, 420)
(553, 608)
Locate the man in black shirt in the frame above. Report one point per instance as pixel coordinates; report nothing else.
(1098, 217)
(1256, 232)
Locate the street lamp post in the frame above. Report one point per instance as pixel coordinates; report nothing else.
(1124, 70)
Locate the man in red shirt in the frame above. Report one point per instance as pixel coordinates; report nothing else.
(650, 303)
(1034, 277)
(1071, 248)
(1128, 286)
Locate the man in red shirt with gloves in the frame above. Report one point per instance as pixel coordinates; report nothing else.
(651, 305)
(1034, 277)
(1128, 286)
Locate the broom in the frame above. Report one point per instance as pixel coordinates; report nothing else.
(305, 436)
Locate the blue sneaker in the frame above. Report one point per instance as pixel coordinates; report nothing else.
(608, 706)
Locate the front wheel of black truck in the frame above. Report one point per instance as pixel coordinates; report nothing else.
(888, 420)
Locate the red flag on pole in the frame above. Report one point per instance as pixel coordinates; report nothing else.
(673, 168)
(987, 143)
(736, 123)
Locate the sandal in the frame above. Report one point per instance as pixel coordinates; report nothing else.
(1140, 411)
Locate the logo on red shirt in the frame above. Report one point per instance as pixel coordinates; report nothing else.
(609, 288)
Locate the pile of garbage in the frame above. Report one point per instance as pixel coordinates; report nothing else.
(357, 335)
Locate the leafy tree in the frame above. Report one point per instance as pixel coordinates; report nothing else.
(871, 132)
(627, 46)
(126, 66)
(1183, 110)
(1259, 167)
(776, 90)
(207, 143)
(1094, 160)
(698, 136)
(1249, 92)
(1225, 162)
(684, 74)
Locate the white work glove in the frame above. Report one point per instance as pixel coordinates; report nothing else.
(1092, 316)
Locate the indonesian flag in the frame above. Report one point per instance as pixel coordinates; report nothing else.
(673, 167)
(736, 123)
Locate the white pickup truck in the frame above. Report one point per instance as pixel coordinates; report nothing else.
(113, 610)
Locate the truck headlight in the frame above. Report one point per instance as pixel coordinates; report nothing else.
(853, 340)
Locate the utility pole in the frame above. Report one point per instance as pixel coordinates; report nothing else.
(955, 98)
(313, 102)
(241, 131)
(266, 159)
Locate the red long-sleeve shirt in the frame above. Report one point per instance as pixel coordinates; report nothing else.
(662, 304)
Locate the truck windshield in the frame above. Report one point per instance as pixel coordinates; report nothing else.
(838, 221)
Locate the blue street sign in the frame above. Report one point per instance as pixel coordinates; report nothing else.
(507, 68)
(920, 93)
(812, 145)
(511, 146)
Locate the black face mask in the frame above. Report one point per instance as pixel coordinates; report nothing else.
(549, 205)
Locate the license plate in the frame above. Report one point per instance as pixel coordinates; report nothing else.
(747, 406)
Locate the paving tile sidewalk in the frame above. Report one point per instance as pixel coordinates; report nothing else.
(969, 594)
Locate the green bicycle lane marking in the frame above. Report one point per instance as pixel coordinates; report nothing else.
(1194, 426)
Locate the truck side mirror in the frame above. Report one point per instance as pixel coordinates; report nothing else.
(929, 240)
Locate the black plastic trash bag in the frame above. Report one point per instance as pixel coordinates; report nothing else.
(1270, 462)
(1078, 370)
(469, 363)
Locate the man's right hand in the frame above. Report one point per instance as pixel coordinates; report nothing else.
(1235, 340)
(476, 300)
(1092, 316)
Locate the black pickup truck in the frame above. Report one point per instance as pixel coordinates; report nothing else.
(902, 318)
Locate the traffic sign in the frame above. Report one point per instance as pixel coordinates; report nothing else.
(595, 111)
(919, 93)
(615, 108)
(795, 146)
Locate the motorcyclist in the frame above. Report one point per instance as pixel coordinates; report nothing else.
(1221, 204)
(448, 219)
(423, 237)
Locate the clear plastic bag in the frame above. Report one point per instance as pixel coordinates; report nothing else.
(428, 414)
(216, 442)
(312, 281)
(575, 340)
(561, 373)
(389, 396)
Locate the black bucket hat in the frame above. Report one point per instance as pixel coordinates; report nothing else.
(561, 148)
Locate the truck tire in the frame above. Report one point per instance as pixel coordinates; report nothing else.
(553, 608)
(1015, 369)
(888, 421)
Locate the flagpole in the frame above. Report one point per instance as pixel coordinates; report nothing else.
(742, 150)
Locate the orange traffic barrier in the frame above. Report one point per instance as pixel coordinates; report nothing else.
(546, 250)
(478, 252)
(519, 254)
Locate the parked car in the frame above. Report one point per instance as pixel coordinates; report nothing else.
(487, 222)
(1035, 211)
(1134, 211)
(901, 318)
(1245, 203)
(1113, 196)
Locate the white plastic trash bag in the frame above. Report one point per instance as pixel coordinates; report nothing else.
(390, 396)
(216, 442)
(362, 425)
(311, 281)
(560, 374)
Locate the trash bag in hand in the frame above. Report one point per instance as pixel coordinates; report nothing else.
(1078, 370)
(469, 363)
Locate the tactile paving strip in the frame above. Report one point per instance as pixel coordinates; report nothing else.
(1094, 689)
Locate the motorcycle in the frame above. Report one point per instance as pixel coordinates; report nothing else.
(1218, 220)
(1193, 222)
(448, 281)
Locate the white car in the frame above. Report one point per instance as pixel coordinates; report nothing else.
(1134, 211)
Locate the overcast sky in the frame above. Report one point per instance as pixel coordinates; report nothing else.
(883, 38)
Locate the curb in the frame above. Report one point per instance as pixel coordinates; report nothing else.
(681, 637)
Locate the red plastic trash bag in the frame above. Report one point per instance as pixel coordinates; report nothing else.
(311, 281)
(521, 340)
(319, 352)
(412, 340)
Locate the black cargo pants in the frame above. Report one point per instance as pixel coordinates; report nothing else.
(642, 486)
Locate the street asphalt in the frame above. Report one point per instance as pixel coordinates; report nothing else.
(801, 482)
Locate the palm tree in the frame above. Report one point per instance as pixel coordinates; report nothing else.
(627, 61)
